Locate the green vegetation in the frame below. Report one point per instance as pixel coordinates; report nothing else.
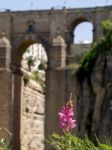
(43, 65)
(39, 78)
(26, 79)
(30, 62)
(99, 48)
(71, 142)
(5, 144)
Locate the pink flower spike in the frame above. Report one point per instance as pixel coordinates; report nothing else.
(66, 117)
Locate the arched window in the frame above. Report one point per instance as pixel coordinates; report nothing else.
(83, 33)
(30, 28)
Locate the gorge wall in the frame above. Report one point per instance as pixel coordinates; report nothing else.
(94, 88)
(32, 116)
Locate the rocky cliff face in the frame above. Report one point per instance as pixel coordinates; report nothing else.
(32, 116)
(94, 101)
(94, 91)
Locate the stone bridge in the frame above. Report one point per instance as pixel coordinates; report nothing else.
(54, 30)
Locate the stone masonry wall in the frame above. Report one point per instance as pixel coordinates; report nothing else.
(32, 117)
(5, 101)
(78, 50)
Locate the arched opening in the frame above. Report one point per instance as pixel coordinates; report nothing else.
(82, 38)
(83, 33)
(29, 95)
(33, 66)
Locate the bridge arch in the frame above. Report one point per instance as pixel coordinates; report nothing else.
(56, 54)
(74, 24)
(83, 33)
(21, 46)
(22, 43)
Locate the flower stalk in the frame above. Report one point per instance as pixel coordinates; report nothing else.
(66, 116)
